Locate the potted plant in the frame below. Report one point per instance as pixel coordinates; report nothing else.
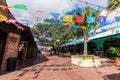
(115, 51)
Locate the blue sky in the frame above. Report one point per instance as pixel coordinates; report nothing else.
(58, 6)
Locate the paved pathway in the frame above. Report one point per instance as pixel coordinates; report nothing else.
(54, 68)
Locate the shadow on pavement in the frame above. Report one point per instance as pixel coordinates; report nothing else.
(28, 63)
(113, 77)
(32, 62)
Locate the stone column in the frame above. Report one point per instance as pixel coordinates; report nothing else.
(11, 49)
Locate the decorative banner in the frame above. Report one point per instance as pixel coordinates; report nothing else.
(37, 20)
(88, 29)
(104, 30)
(58, 40)
(117, 31)
(97, 25)
(4, 18)
(4, 7)
(55, 15)
(67, 18)
(110, 9)
(79, 19)
(58, 22)
(11, 21)
(61, 40)
(47, 23)
(83, 27)
(20, 6)
(100, 19)
(50, 39)
(20, 27)
(71, 12)
(117, 18)
(1, 20)
(38, 11)
(75, 26)
(65, 24)
(110, 30)
(90, 19)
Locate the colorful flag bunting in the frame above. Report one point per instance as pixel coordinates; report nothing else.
(88, 29)
(20, 6)
(50, 39)
(38, 11)
(75, 26)
(65, 24)
(90, 19)
(104, 30)
(83, 27)
(117, 18)
(79, 19)
(4, 7)
(117, 31)
(100, 19)
(110, 30)
(110, 9)
(19, 27)
(1, 20)
(47, 23)
(67, 18)
(4, 18)
(55, 15)
(11, 21)
(71, 12)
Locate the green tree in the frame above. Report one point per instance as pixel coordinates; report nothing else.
(87, 12)
(54, 31)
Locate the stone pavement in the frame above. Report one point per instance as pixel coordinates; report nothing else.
(56, 68)
(110, 70)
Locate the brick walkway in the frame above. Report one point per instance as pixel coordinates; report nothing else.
(54, 68)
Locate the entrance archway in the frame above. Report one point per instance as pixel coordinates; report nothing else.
(111, 42)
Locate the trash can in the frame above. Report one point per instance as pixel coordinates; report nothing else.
(11, 63)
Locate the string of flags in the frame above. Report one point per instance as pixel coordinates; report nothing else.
(67, 18)
(13, 21)
(17, 6)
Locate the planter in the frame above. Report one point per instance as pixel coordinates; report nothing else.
(86, 62)
(117, 60)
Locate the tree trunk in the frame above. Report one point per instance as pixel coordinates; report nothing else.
(85, 42)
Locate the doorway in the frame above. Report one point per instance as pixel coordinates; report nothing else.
(3, 38)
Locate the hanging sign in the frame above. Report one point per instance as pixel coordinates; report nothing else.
(4, 18)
